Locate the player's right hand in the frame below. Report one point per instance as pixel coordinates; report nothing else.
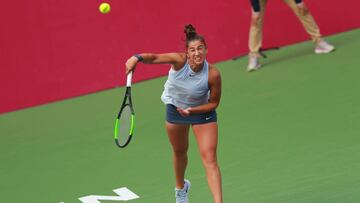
(130, 64)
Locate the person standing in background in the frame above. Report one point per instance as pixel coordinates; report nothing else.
(303, 14)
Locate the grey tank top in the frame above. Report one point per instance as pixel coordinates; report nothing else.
(185, 88)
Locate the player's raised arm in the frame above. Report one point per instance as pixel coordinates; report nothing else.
(177, 60)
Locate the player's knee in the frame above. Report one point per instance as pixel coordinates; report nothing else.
(209, 159)
(180, 151)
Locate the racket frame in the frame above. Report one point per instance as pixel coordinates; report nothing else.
(127, 101)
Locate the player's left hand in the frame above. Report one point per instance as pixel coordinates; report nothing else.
(184, 112)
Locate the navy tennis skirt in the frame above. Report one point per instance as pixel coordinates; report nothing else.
(173, 116)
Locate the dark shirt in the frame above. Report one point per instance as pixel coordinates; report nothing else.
(255, 4)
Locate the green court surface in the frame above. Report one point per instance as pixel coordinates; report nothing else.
(289, 133)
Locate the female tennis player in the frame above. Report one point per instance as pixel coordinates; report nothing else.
(191, 95)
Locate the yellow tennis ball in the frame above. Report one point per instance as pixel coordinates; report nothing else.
(104, 8)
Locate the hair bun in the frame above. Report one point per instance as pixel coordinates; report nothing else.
(190, 31)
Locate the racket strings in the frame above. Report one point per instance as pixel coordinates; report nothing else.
(125, 125)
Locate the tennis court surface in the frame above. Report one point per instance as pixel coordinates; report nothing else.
(289, 133)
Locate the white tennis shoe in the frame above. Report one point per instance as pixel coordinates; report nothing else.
(323, 47)
(254, 63)
(182, 195)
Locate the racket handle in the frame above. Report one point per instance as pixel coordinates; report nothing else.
(128, 80)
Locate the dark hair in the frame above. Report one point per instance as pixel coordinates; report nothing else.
(191, 35)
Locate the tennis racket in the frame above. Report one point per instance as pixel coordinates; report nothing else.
(124, 124)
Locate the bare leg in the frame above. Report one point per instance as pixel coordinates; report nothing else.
(207, 139)
(179, 138)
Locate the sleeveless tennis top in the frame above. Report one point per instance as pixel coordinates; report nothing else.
(185, 88)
